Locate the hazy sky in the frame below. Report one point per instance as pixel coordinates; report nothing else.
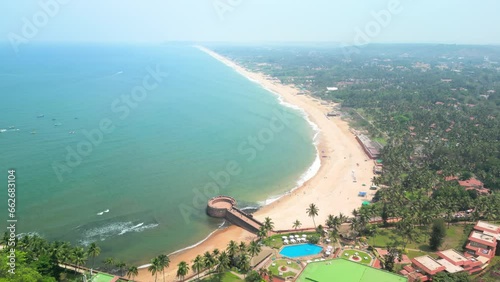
(345, 21)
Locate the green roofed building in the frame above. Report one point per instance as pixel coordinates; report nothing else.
(345, 271)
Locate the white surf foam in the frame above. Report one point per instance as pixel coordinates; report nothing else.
(200, 242)
(114, 229)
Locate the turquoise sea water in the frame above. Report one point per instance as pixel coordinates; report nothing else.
(152, 161)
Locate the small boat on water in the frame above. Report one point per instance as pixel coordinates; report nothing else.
(57, 124)
(2, 130)
(72, 132)
(40, 116)
(12, 127)
(33, 132)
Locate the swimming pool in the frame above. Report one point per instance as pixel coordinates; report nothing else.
(301, 250)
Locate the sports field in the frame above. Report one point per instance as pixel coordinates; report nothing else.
(345, 271)
(101, 277)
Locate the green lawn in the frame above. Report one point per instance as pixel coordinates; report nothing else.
(361, 254)
(454, 239)
(224, 277)
(346, 271)
(279, 263)
(381, 140)
(102, 278)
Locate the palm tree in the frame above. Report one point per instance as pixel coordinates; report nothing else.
(320, 230)
(64, 253)
(268, 224)
(198, 265)
(262, 233)
(79, 257)
(164, 262)
(132, 272)
(93, 251)
(296, 224)
(223, 262)
(108, 262)
(262, 272)
(312, 211)
(208, 260)
(253, 249)
(154, 267)
(333, 235)
(121, 266)
(242, 248)
(231, 249)
(329, 221)
(215, 253)
(244, 264)
(342, 218)
(182, 270)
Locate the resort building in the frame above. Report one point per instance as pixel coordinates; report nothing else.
(470, 184)
(457, 262)
(483, 240)
(371, 148)
(428, 265)
(480, 249)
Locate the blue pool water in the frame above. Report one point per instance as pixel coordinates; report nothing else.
(301, 250)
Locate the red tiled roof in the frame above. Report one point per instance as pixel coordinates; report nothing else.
(473, 182)
(450, 178)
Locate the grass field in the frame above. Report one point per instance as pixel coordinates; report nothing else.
(454, 239)
(345, 271)
(102, 278)
(279, 263)
(224, 277)
(361, 254)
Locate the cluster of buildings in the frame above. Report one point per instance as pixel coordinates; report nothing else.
(480, 249)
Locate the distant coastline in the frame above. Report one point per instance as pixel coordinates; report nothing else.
(327, 182)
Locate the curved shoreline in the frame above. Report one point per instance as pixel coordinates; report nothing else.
(331, 187)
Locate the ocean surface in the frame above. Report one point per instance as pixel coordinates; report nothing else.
(124, 144)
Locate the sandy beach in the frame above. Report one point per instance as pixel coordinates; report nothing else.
(332, 189)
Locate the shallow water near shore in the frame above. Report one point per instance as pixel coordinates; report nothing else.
(134, 174)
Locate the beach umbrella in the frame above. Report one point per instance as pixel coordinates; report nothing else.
(296, 236)
(304, 236)
(291, 236)
(284, 237)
